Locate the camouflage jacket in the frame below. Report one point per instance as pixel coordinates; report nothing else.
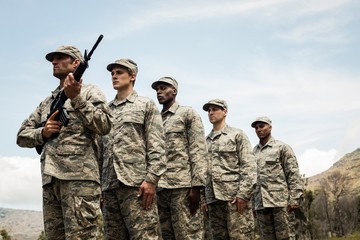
(232, 167)
(185, 148)
(279, 182)
(134, 150)
(73, 155)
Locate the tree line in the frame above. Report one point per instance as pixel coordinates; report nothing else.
(331, 211)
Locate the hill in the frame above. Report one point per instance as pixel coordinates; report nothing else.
(21, 224)
(348, 165)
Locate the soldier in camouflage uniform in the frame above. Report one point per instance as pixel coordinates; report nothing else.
(231, 177)
(180, 185)
(134, 160)
(69, 162)
(279, 188)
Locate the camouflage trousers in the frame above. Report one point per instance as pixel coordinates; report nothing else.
(125, 218)
(275, 224)
(207, 225)
(71, 209)
(227, 223)
(176, 221)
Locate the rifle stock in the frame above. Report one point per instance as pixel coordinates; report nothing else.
(61, 97)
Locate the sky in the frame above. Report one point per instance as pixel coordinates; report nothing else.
(294, 61)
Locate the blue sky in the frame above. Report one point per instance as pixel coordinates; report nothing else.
(294, 61)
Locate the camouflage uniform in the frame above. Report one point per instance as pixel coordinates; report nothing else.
(134, 152)
(232, 173)
(186, 168)
(69, 163)
(279, 184)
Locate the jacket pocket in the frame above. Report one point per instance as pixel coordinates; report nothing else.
(229, 178)
(67, 150)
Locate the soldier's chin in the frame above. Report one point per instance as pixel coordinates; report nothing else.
(59, 76)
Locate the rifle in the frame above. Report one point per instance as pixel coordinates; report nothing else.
(61, 97)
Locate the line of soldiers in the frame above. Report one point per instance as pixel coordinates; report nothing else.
(151, 174)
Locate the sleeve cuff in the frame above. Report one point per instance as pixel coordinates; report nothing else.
(39, 137)
(242, 196)
(198, 184)
(78, 102)
(152, 178)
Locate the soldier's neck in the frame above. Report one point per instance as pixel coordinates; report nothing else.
(167, 105)
(219, 126)
(62, 83)
(122, 94)
(264, 141)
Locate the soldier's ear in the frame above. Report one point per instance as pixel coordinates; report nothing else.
(76, 63)
(133, 77)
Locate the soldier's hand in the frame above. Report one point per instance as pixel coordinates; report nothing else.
(147, 192)
(72, 87)
(204, 207)
(292, 207)
(241, 204)
(52, 126)
(193, 198)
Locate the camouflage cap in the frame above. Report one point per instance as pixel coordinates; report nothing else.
(169, 80)
(125, 62)
(263, 119)
(68, 50)
(218, 102)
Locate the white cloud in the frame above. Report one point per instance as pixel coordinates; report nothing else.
(318, 31)
(163, 14)
(305, 8)
(265, 11)
(300, 88)
(20, 183)
(314, 161)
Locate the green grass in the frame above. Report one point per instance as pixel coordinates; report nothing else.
(354, 236)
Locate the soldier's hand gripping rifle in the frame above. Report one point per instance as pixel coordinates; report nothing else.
(61, 97)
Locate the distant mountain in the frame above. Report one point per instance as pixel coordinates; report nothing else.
(348, 165)
(21, 224)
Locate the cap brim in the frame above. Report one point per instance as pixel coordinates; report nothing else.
(154, 84)
(207, 105)
(254, 123)
(50, 56)
(111, 66)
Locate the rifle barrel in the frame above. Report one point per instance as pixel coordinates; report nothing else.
(95, 46)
